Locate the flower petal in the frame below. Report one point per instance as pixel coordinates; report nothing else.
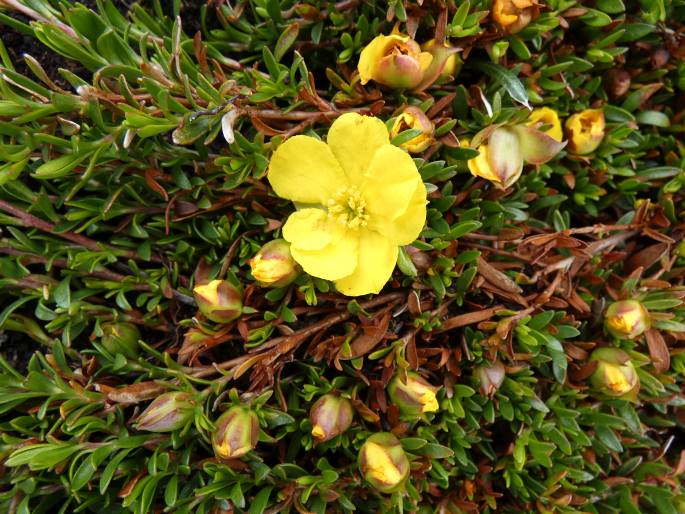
(504, 155)
(303, 169)
(537, 147)
(335, 260)
(377, 259)
(390, 183)
(354, 139)
(407, 227)
(309, 229)
(374, 52)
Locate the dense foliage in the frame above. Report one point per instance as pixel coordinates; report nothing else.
(134, 145)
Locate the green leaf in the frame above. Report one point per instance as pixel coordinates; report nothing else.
(286, 40)
(505, 77)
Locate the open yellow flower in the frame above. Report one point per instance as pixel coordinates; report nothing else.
(585, 131)
(514, 15)
(359, 199)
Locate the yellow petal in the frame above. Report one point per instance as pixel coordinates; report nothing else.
(405, 229)
(390, 183)
(354, 139)
(303, 169)
(374, 52)
(380, 465)
(480, 167)
(547, 116)
(334, 261)
(376, 260)
(309, 229)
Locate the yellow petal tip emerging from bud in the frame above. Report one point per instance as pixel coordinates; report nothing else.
(380, 466)
(616, 380)
(414, 118)
(547, 116)
(627, 319)
(395, 61)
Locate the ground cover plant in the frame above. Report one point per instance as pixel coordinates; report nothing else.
(267, 256)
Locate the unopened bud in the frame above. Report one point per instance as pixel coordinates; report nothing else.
(168, 412)
(585, 131)
(414, 118)
(616, 82)
(452, 61)
(120, 338)
(236, 432)
(615, 374)
(220, 301)
(413, 397)
(383, 463)
(627, 319)
(490, 378)
(273, 265)
(330, 415)
(395, 61)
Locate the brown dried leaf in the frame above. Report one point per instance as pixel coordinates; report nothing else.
(647, 257)
(496, 277)
(658, 350)
(371, 337)
(469, 318)
(135, 393)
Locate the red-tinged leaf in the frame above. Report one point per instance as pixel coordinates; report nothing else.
(658, 350)
(135, 393)
(150, 175)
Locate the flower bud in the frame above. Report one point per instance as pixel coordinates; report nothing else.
(585, 131)
(616, 82)
(168, 412)
(395, 61)
(514, 15)
(546, 116)
(626, 319)
(120, 338)
(452, 61)
(236, 432)
(383, 463)
(220, 301)
(414, 118)
(490, 377)
(273, 265)
(413, 397)
(330, 415)
(503, 149)
(615, 374)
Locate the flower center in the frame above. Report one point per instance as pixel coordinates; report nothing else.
(347, 208)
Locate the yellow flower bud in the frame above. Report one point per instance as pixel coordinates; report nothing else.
(514, 15)
(219, 300)
(395, 61)
(585, 131)
(414, 397)
(236, 433)
(627, 319)
(383, 462)
(453, 61)
(273, 265)
(330, 416)
(414, 118)
(503, 150)
(615, 374)
(546, 116)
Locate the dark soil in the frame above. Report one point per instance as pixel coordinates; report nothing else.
(18, 44)
(17, 349)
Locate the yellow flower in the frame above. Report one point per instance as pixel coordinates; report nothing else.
(616, 381)
(394, 61)
(413, 396)
(547, 116)
(273, 266)
(503, 149)
(615, 374)
(627, 319)
(360, 198)
(585, 131)
(514, 15)
(414, 118)
(383, 462)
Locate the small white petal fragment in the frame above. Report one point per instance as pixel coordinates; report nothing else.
(227, 122)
